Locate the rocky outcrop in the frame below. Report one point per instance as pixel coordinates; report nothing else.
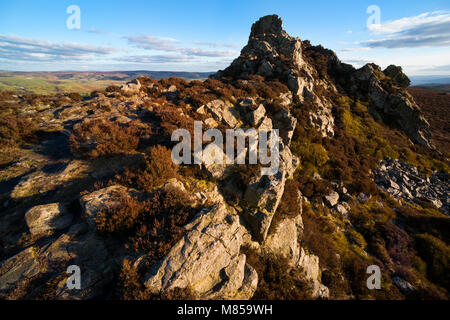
(396, 74)
(390, 102)
(272, 53)
(267, 45)
(402, 180)
(209, 258)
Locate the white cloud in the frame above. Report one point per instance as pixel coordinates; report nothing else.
(403, 24)
(22, 49)
(157, 59)
(153, 43)
(216, 44)
(426, 29)
(355, 49)
(149, 42)
(207, 53)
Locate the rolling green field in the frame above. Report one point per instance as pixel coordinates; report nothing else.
(23, 84)
(81, 82)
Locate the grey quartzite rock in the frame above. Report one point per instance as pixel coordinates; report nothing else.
(402, 180)
(207, 260)
(48, 217)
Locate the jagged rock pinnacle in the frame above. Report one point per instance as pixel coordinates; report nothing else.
(270, 51)
(271, 24)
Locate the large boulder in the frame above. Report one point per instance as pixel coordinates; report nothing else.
(264, 193)
(23, 265)
(285, 123)
(47, 218)
(207, 260)
(131, 88)
(332, 199)
(284, 239)
(310, 266)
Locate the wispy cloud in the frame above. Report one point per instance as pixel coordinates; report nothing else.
(426, 29)
(23, 49)
(97, 31)
(153, 43)
(216, 44)
(149, 42)
(359, 49)
(156, 59)
(207, 53)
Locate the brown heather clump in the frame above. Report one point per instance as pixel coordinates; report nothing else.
(156, 169)
(152, 226)
(100, 138)
(75, 96)
(119, 219)
(130, 283)
(15, 130)
(276, 279)
(172, 118)
(162, 225)
(180, 83)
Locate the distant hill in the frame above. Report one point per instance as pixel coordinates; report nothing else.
(436, 79)
(82, 82)
(435, 86)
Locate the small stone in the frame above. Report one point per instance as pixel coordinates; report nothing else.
(332, 199)
(362, 197)
(210, 123)
(404, 285)
(437, 203)
(341, 209)
(254, 117)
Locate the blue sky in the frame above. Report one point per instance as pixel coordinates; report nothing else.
(208, 35)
